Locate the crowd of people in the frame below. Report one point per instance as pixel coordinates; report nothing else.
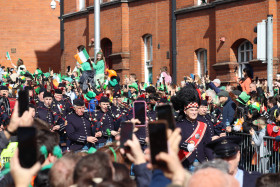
(78, 118)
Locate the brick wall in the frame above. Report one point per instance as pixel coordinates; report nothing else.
(149, 18)
(125, 24)
(204, 28)
(33, 28)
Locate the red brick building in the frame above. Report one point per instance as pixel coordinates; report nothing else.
(30, 30)
(136, 35)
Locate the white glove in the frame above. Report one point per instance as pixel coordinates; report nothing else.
(190, 147)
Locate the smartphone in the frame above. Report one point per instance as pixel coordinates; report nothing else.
(166, 112)
(68, 68)
(235, 70)
(27, 146)
(140, 112)
(158, 141)
(23, 101)
(126, 133)
(50, 69)
(206, 73)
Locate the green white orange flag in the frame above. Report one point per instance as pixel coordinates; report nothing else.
(8, 57)
(82, 56)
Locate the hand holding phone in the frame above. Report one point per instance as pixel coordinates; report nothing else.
(166, 112)
(27, 146)
(23, 101)
(126, 133)
(140, 112)
(158, 141)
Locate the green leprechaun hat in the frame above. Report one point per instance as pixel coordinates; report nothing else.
(243, 98)
(90, 95)
(134, 85)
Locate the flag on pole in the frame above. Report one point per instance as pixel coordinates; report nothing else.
(82, 56)
(8, 56)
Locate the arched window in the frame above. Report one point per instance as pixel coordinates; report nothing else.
(106, 46)
(245, 54)
(201, 62)
(148, 57)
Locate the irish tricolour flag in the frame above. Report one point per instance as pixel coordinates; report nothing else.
(82, 56)
(8, 57)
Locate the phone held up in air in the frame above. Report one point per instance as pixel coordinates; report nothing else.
(23, 101)
(27, 146)
(126, 133)
(157, 141)
(140, 112)
(166, 112)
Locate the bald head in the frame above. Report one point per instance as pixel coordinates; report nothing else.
(204, 177)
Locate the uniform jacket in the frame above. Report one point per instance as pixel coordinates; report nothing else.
(200, 153)
(47, 114)
(208, 120)
(77, 129)
(106, 121)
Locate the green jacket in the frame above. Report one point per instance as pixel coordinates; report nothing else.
(99, 67)
(86, 66)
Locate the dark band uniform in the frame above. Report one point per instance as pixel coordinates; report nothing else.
(200, 152)
(37, 101)
(105, 120)
(47, 114)
(77, 128)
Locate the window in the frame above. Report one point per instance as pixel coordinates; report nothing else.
(81, 5)
(245, 54)
(201, 62)
(148, 56)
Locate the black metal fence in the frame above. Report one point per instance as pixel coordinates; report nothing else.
(262, 158)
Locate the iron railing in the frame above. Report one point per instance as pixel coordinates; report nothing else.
(263, 159)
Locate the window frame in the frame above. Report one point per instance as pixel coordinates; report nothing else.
(242, 63)
(198, 55)
(148, 63)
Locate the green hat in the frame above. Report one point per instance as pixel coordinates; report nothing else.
(39, 72)
(243, 98)
(47, 74)
(134, 85)
(90, 95)
(98, 86)
(255, 105)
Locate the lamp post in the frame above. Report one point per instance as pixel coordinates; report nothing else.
(96, 27)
